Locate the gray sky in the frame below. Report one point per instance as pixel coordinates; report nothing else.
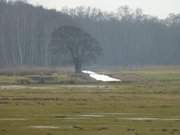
(159, 8)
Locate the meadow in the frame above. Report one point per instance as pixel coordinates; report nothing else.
(146, 102)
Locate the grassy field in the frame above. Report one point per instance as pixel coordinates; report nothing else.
(147, 102)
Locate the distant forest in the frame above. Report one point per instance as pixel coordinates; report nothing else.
(127, 37)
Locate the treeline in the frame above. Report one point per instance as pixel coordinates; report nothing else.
(25, 33)
(127, 37)
(131, 37)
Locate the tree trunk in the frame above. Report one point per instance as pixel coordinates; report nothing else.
(78, 66)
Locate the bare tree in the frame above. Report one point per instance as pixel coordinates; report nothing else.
(81, 46)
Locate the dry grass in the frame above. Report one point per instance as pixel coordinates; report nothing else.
(147, 107)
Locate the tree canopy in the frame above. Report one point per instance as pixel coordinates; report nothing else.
(73, 41)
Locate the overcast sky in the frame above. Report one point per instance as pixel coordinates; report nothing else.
(160, 8)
